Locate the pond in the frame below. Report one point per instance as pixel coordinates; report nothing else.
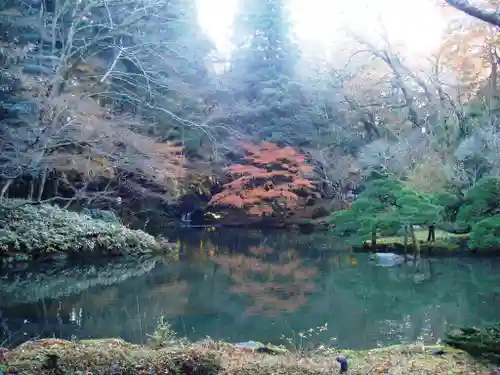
(248, 285)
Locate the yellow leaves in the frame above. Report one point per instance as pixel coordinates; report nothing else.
(466, 49)
(84, 68)
(428, 175)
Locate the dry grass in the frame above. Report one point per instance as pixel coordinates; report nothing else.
(113, 357)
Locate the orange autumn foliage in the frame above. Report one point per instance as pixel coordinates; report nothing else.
(270, 180)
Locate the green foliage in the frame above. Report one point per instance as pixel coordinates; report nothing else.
(46, 228)
(481, 201)
(383, 207)
(414, 208)
(164, 335)
(385, 190)
(269, 102)
(373, 211)
(450, 202)
(485, 234)
(345, 221)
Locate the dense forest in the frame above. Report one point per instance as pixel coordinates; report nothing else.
(127, 105)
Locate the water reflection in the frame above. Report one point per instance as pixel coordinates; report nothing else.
(252, 286)
(274, 289)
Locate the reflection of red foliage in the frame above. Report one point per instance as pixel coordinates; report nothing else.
(284, 288)
(272, 178)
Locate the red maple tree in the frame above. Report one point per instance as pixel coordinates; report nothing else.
(273, 179)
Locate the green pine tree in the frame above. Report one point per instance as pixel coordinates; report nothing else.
(268, 99)
(485, 234)
(414, 208)
(374, 211)
(384, 207)
(481, 201)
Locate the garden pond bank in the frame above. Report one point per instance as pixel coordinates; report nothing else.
(115, 356)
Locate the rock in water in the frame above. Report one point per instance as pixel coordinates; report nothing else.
(388, 259)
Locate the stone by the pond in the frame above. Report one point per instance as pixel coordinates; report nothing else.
(388, 259)
(249, 345)
(260, 347)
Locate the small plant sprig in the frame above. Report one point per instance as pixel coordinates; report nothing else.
(306, 340)
(164, 335)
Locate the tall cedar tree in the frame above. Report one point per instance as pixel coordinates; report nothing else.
(268, 99)
(269, 183)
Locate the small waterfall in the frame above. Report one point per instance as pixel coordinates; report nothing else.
(186, 219)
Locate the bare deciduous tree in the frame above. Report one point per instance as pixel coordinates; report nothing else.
(93, 75)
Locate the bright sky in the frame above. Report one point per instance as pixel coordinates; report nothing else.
(415, 23)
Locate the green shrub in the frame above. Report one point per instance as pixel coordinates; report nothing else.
(38, 229)
(485, 234)
(481, 201)
(104, 215)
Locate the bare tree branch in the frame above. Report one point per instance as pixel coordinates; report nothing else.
(492, 17)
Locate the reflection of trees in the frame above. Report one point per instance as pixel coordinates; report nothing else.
(366, 305)
(55, 282)
(274, 288)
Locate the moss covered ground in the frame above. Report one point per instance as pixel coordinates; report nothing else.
(445, 241)
(421, 236)
(34, 231)
(114, 356)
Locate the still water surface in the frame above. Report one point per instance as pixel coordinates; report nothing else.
(242, 285)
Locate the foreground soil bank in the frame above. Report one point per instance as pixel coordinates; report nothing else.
(114, 356)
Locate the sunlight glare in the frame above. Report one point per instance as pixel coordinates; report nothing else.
(417, 25)
(216, 19)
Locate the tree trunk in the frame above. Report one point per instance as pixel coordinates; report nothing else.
(485, 15)
(41, 187)
(406, 242)
(374, 241)
(5, 188)
(431, 237)
(32, 189)
(416, 245)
